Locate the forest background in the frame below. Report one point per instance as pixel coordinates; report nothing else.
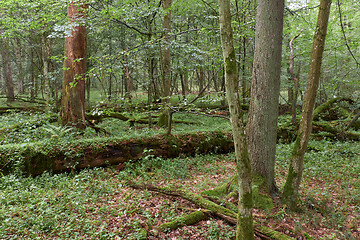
(127, 77)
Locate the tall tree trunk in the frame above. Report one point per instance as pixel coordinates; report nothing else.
(20, 67)
(127, 81)
(244, 229)
(265, 90)
(7, 71)
(291, 188)
(166, 59)
(46, 63)
(73, 92)
(32, 74)
(293, 90)
(166, 66)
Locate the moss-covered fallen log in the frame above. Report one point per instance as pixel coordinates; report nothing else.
(215, 209)
(35, 158)
(32, 124)
(335, 132)
(185, 220)
(122, 117)
(327, 105)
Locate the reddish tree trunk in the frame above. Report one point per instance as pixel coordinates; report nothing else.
(73, 92)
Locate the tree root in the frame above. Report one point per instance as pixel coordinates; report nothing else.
(215, 209)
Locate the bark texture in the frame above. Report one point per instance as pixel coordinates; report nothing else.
(244, 229)
(166, 59)
(73, 92)
(265, 89)
(7, 70)
(291, 188)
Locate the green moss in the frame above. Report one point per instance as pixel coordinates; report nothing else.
(189, 219)
(230, 63)
(163, 119)
(289, 190)
(244, 228)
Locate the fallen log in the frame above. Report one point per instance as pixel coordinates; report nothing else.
(327, 105)
(35, 158)
(186, 220)
(336, 132)
(215, 209)
(122, 117)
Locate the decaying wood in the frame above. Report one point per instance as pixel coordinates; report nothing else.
(186, 220)
(327, 105)
(59, 158)
(217, 210)
(101, 115)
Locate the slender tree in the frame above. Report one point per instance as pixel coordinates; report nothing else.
(7, 70)
(291, 188)
(244, 228)
(265, 90)
(73, 92)
(166, 59)
(165, 117)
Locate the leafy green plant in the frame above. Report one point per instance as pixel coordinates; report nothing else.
(58, 131)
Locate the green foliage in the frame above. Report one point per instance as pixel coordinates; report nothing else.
(58, 131)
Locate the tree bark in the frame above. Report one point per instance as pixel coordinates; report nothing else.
(244, 229)
(265, 90)
(7, 70)
(293, 91)
(20, 67)
(291, 188)
(166, 59)
(46, 62)
(73, 92)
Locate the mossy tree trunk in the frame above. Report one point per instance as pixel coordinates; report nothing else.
(265, 90)
(73, 91)
(166, 65)
(291, 188)
(166, 59)
(244, 229)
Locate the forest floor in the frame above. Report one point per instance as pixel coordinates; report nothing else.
(98, 204)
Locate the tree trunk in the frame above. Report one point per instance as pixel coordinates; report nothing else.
(244, 229)
(20, 67)
(265, 90)
(293, 91)
(46, 63)
(7, 68)
(291, 188)
(166, 60)
(7, 71)
(32, 75)
(73, 92)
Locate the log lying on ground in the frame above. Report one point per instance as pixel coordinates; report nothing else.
(120, 116)
(186, 220)
(33, 124)
(335, 132)
(217, 210)
(327, 105)
(10, 109)
(54, 157)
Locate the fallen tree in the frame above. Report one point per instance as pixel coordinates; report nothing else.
(320, 110)
(208, 206)
(35, 158)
